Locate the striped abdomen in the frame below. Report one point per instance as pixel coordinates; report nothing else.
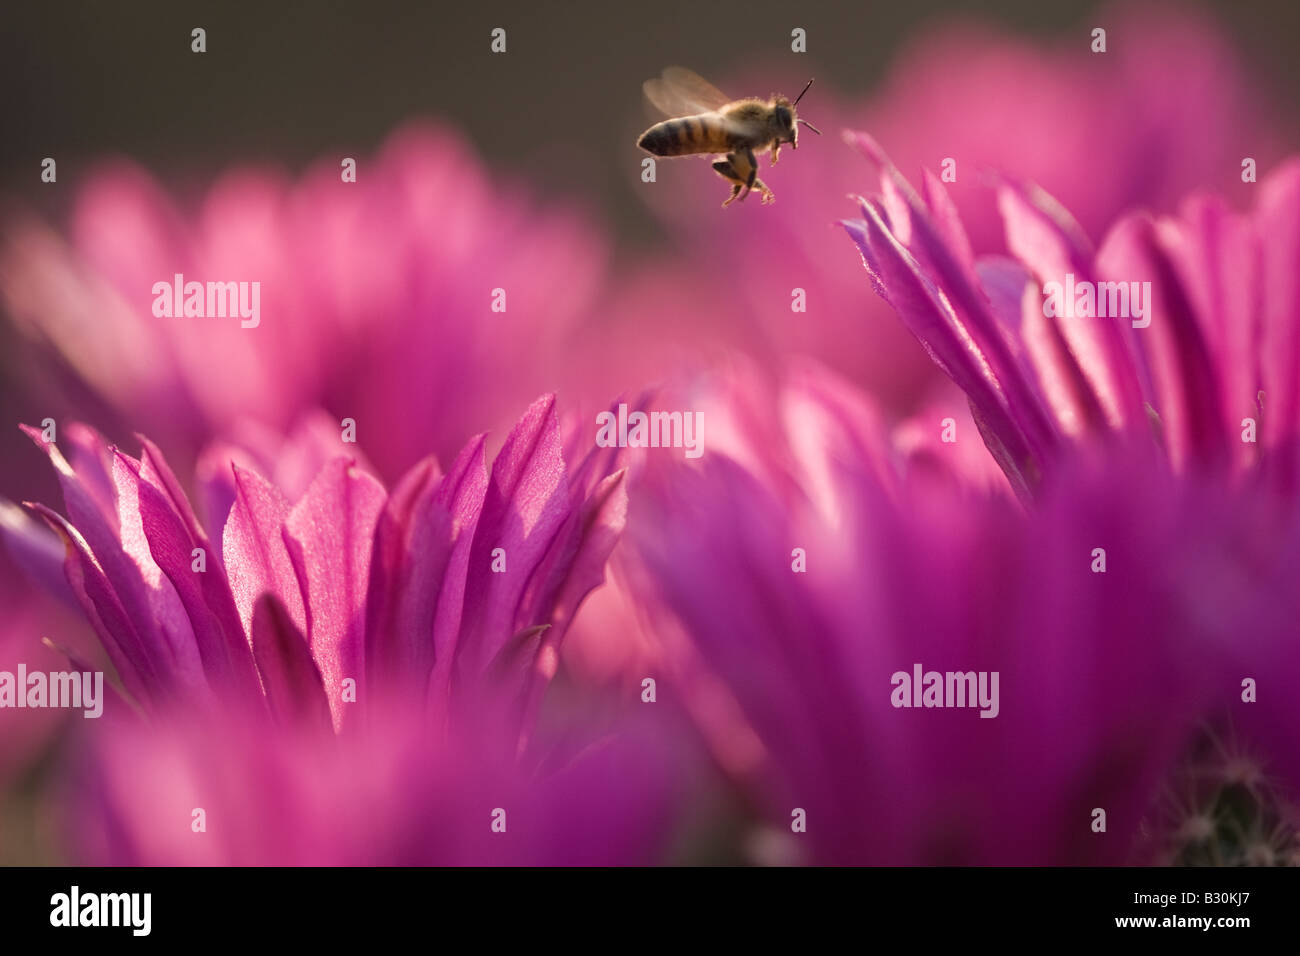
(705, 133)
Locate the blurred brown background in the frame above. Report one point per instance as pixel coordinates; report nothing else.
(284, 82)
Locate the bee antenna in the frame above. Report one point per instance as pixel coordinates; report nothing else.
(805, 90)
(810, 126)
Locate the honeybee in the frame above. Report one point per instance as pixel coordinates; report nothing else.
(707, 121)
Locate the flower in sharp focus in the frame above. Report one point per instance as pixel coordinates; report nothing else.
(456, 587)
(1183, 330)
(444, 600)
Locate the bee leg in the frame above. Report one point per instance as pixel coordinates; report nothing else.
(776, 151)
(752, 160)
(741, 179)
(724, 169)
(742, 167)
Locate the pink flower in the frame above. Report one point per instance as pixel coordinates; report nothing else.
(29, 619)
(808, 573)
(442, 603)
(1208, 367)
(454, 590)
(376, 298)
(234, 791)
(1176, 394)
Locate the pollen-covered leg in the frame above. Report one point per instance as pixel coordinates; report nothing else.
(750, 168)
(742, 172)
(745, 165)
(724, 169)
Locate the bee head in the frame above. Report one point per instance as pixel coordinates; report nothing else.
(783, 119)
(786, 116)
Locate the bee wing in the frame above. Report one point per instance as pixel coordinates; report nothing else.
(680, 92)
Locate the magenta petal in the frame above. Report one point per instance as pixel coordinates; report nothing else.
(166, 607)
(928, 315)
(947, 220)
(1184, 378)
(429, 551)
(90, 505)
(937, 244)
(595, 463)
(1043, 236)
(155, 470)
(526, 503)
(92, 460)
(134, 658)
(1069, 395)
(218, 632)
(329, 536)
(1004, 281)
(408, 563)
(36, 550)
(1041, 233)
(292, 681)
(574, 568)
(461, 493)
(834, 431)
(1280, 224)
(1220, 260)
(150, 608)
(253, 548)
(215, 483)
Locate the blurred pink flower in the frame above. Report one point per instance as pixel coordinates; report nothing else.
(1171, 107)
(376, 298)
(393, 794)
(1105, 678)
(37, 633)
(28, 619)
